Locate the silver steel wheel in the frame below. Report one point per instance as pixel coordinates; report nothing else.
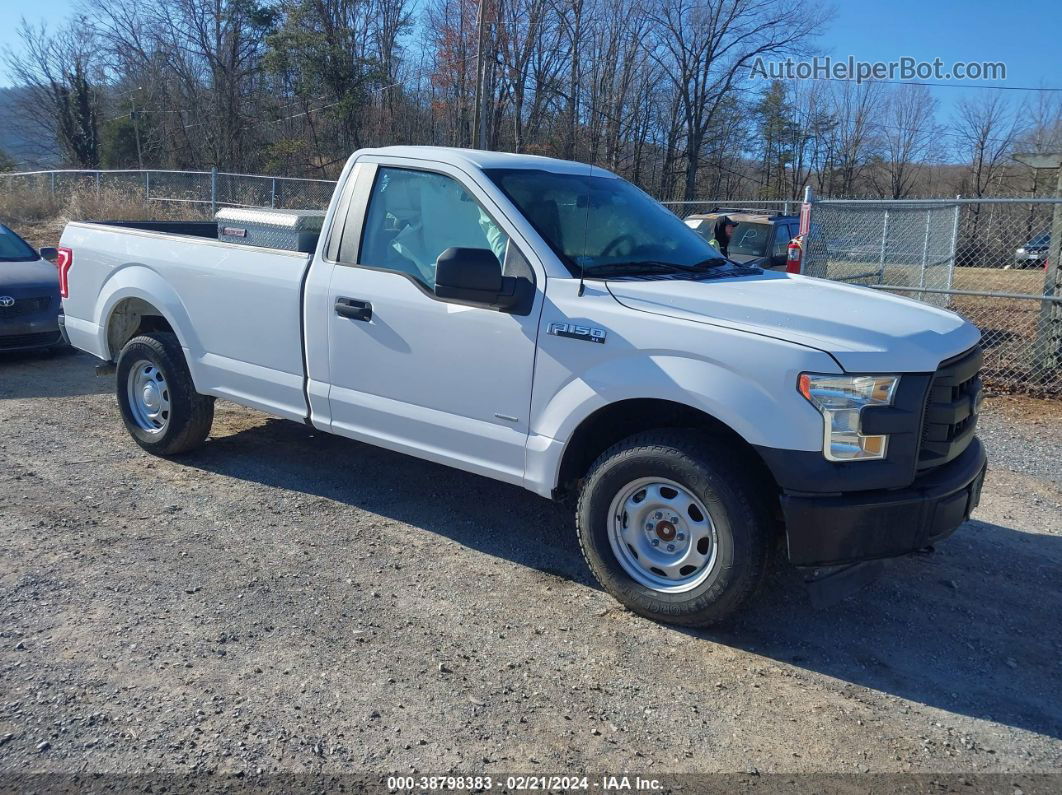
(662, 535)
(149, 397)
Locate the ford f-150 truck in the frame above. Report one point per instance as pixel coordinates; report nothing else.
(548, 324)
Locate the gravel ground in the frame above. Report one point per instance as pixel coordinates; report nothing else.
(1024, 436)
(287, 601)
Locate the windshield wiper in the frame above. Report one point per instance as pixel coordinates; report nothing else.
(649, 265)
(711, 262)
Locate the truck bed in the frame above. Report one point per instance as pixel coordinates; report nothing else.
(208, 229)
(235, 308)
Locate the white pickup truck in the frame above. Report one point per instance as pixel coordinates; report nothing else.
(548, 324)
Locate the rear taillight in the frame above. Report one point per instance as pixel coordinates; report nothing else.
(793, 257)
(63, 263)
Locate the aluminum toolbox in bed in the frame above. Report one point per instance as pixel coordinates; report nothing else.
(291, 230)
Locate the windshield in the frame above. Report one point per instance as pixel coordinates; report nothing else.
(594, 222)
(749, 239)
(13, 248)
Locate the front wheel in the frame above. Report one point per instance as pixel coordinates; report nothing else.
(159, 404)
(671, 530)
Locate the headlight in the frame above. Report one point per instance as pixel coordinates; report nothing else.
(840, 399)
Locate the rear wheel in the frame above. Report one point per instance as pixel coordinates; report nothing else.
(673, 531)
(159, 404)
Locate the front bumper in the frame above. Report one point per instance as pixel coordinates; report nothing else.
(28, 342)
(835, 530)
(28, 333)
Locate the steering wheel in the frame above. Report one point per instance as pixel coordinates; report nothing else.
(616, 242)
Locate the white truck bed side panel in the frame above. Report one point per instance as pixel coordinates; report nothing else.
(235, 309)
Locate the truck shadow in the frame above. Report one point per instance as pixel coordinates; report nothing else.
(972, 629)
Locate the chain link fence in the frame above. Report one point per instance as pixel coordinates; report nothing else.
(990, 260)
(684, 209)
(209, 189)
(884, 244)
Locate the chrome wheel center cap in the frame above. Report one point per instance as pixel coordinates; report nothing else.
(152, 399)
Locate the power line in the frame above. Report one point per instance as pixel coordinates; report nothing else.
(937, 85)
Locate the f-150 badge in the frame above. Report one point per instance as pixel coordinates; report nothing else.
(585, 333)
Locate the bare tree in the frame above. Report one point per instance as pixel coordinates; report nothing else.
(910, 137)
(57, 72)
(985, 129)
(852, 140)
(704, 45)
(652, 89)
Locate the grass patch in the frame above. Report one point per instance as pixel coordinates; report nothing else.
(40, 217)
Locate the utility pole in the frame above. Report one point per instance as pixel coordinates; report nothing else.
(479, 117)
(136, 132)
(135, 117)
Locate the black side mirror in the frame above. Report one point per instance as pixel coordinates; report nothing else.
(50, 253)
(474, 276)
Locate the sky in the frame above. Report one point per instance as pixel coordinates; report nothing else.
(1022, 33)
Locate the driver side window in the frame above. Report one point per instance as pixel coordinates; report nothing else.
(414, 216)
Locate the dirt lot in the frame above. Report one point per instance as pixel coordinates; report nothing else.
(283, 600)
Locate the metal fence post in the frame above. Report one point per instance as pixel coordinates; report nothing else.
(273, 194)
(925, 250)
(1048, 352)
(953, 261)
(147, 187)
(53, 182)
(214, 189)
(884, 245)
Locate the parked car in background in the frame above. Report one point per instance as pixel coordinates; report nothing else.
(29, 295)
(760, 239)
(1034, 253)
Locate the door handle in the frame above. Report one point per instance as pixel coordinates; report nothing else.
(354, 309)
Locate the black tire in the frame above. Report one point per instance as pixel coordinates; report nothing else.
(726, 488)
(190, 414)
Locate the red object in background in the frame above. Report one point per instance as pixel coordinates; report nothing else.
(66, 259)
(805, 219)
(794, 256)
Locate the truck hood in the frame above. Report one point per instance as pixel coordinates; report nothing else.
(864, 330)
(18, 277)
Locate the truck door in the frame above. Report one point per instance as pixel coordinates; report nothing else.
(407, 370)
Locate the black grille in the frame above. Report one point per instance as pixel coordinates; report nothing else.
(951, 409)
(10, 341)
(24, 306)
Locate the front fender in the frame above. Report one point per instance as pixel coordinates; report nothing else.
(759, 414)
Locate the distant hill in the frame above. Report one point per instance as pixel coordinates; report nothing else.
(30, 149)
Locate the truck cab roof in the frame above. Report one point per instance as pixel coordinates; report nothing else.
(480, 159)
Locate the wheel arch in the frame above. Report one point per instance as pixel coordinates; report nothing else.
(136, 299)
(130, 317)
(619, 420)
